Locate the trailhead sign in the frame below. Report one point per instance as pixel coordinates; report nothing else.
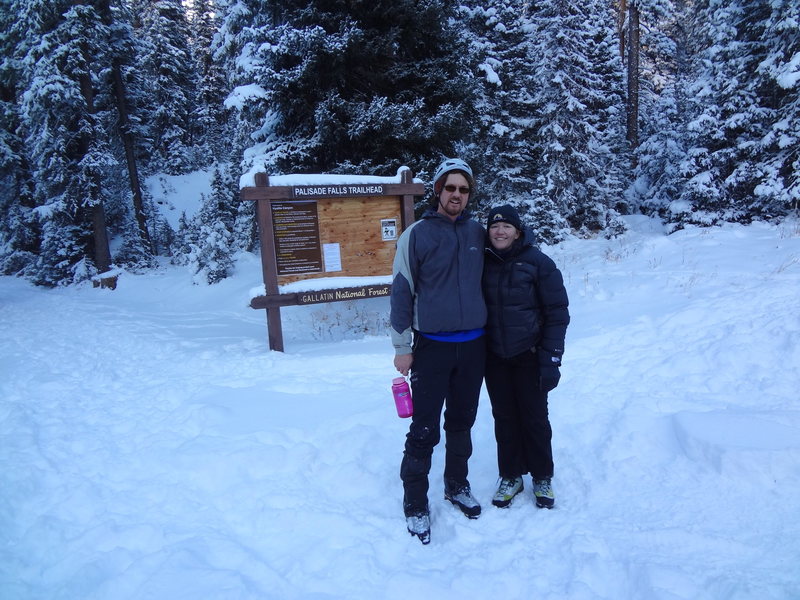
(340, 229)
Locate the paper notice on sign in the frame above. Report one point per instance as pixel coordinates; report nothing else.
(388, 229)
(296, 231)
(333, 257)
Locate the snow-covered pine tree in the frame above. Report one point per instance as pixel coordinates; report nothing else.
(207, 115)
(777, 189)
(240, 216)
(132, 254)
(164, 236)
(165, 61)
(67, 145)
(238, 48)
(577, 99)
(731, 108)
(212, 259)
(185, 241)
(501, 147)
(666, 65)
(609, 150)
(19, 232)
(355, 87)
(741, 165)
(239, 32)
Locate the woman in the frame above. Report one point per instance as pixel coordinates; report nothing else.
(528, 318)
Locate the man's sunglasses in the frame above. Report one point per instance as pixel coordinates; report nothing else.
(452, 188)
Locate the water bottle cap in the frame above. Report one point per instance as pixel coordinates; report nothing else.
(398, 380)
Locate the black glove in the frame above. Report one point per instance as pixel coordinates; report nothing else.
(549, 374)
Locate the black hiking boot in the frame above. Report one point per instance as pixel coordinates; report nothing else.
(461, 496)
(419, 524)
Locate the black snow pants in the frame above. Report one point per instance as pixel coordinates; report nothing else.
(445, 374)
(521, 421)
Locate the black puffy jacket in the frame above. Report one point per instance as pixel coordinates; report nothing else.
(526, 299)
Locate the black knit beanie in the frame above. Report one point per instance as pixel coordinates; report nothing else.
(504, 214)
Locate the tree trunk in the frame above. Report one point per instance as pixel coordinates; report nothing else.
(633, 76)
(130, 156)
(102, 252)
(126, 135)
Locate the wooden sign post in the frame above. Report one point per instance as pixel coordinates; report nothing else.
(343, 227)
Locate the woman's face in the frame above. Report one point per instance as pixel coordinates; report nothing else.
(502, 235)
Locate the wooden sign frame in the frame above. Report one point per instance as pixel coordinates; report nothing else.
(287, 216)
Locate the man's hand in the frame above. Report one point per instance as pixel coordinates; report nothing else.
(402, 362)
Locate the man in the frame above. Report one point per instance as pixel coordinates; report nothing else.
(437, 316)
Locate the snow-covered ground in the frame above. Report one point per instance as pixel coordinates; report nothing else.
(151, 446)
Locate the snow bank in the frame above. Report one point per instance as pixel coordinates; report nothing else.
(151, 446)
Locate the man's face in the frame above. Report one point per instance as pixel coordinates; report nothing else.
(454, 196)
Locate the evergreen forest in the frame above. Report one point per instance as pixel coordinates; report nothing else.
(578, 113)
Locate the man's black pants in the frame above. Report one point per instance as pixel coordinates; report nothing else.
(445, 374)
(521, 422)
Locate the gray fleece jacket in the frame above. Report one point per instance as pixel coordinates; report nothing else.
(436, 278)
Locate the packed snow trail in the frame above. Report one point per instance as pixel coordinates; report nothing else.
(152, 447)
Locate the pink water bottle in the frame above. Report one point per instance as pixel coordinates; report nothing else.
(402, 397)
